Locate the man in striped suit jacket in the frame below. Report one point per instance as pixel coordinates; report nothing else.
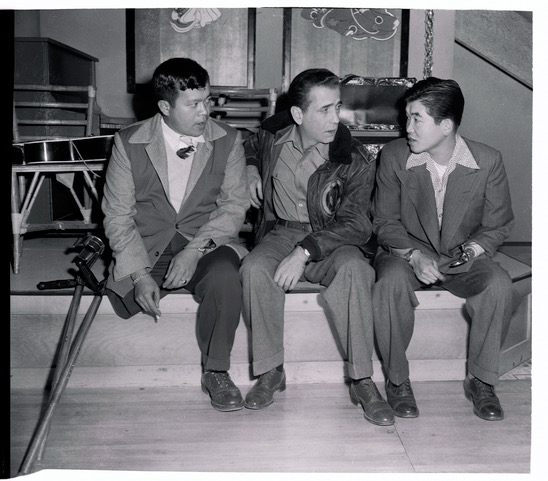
(441, 209)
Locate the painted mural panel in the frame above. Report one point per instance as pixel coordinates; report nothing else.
(358, 41)
(215, 38)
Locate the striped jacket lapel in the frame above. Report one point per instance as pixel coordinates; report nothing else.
(461, 184)
(418, 184)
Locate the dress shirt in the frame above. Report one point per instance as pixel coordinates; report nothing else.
(291, 174)
(178, 169)
(439, 174)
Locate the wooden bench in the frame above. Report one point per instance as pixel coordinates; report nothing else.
(139, 352)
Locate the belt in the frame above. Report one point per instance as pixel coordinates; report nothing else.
(295, 225)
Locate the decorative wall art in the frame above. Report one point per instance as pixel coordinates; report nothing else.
(185, 19)
(359, 41)
(221, 40)
(357, 23)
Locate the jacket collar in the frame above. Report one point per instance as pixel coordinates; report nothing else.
(339, 150)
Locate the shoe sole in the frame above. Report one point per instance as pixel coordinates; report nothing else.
(281, 388)
(355, 400)
(220, 407)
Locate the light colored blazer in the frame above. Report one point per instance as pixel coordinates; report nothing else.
(135, 246)
(477, 205)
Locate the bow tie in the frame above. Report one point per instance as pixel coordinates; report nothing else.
(185, 151)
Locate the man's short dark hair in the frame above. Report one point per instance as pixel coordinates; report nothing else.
(178, 74)
(443, 99)
(303, 83)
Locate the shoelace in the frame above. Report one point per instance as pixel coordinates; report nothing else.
(483, 388)
(222, 379)
(404, 388)
(266, 376)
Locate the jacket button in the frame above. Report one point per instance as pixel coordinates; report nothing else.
(177, 226)
(156, 253)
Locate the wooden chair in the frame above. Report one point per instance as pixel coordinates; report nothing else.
(53, 128)
(241, 107)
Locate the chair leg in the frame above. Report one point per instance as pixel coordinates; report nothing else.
(16, 252)
(15, 221)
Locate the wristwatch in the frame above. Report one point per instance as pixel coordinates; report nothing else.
(210, 245)
(409, 255)
(306, 252)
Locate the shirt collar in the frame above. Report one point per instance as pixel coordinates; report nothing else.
(174, 139)
(292, 135)
(461, 155)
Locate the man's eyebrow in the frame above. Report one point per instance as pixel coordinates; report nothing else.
(328, 105)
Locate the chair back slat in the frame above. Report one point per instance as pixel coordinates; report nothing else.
(67, 109)
(241, 107)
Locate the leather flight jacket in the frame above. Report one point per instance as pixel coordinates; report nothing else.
(339, 192)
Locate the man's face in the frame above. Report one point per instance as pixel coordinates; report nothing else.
(189, 114)
(423, 134)
(319, 122)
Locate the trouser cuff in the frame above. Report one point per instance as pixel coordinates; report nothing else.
(488, 377)
(210, 364)
(398, 376)
(359, 372)
(265, 365)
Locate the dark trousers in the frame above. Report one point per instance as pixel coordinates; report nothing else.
(490, 302)
(217, 288)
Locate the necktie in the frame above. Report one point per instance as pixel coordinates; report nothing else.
(185, 151)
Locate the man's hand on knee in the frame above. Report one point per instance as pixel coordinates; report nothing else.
(291, 269)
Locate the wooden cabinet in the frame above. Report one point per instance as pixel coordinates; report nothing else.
(40, 60)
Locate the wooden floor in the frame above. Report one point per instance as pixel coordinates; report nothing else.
(311, 428)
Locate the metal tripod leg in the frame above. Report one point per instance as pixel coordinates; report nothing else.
(39, 437)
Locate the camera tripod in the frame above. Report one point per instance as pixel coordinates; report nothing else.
(69, 349)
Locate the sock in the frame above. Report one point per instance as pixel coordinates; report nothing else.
(357, 381)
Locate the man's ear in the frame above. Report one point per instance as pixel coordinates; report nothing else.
(297, 114)
(447, 125)
(164, 107)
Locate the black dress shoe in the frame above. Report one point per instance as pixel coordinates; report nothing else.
(486, 403)
(225, 396)
(402, 399)
(261, 394)
(376, 409)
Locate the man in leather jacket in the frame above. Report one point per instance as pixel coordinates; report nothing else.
(312, 183)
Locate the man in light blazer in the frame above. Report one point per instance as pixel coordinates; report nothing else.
(174, 202)
(441, 209)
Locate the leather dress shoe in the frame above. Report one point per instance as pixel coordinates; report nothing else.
(224, 394)
(486, 403)
(376, 409)
(261, 394)
(402, 399)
